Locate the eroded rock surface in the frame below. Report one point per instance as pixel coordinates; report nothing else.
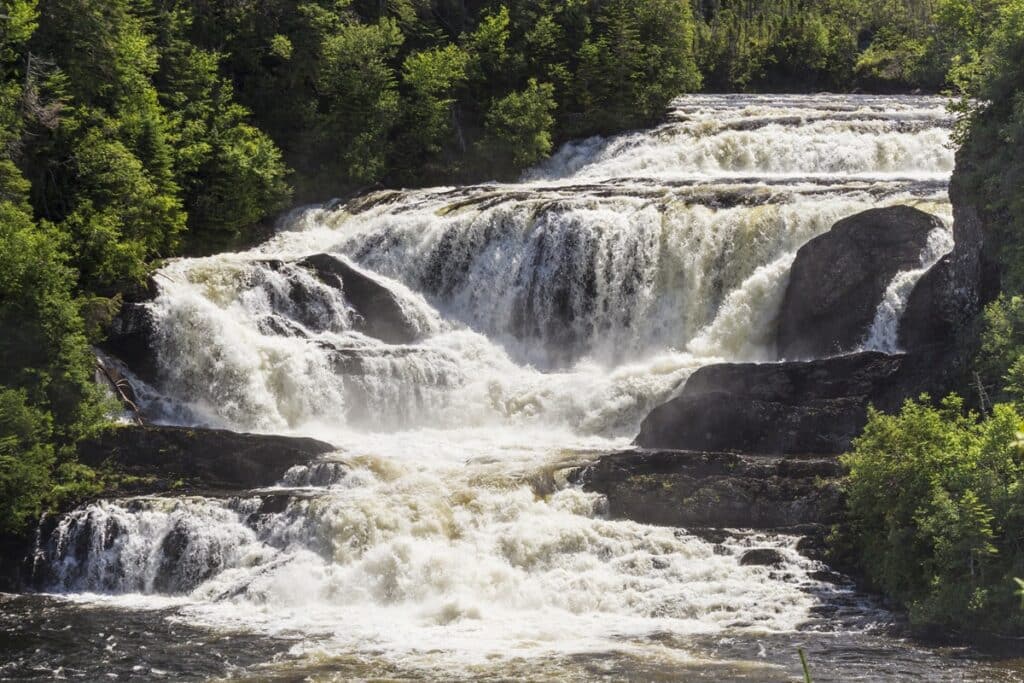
(701, 489)
(380, 312)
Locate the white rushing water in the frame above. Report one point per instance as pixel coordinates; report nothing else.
(544, 319)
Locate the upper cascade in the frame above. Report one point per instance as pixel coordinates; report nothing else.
(576, 299)
(722, 136)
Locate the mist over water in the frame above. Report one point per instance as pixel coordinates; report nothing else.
(547, 318)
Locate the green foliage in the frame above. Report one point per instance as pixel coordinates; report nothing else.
(936, 511)
(357, 93)
(991, 159)
(26, 459)
(1002, 347)
(796, 44)
(431, 79)
(361, 89)
(519, 125)
(633, 64)
(231, 174)
(118, 138)
(47, 398)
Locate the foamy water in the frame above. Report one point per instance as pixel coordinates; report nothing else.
(549, 317)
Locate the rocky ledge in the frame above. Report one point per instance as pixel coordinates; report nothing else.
(208, 459)
(177, 461)
(774, 408)
(836, 285)
(707, 489)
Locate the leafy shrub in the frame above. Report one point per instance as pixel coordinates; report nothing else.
(936, 513)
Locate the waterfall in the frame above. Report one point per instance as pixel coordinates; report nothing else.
(882, 336)
(464, 347)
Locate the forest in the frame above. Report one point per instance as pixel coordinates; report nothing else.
(132, 131)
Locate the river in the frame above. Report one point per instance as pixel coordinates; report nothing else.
(542, 320)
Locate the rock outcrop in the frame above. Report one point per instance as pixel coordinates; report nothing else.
(130, 338)
(839, 278)
(380, 312)
(778, 408)
(934, 312)
(763, 557)
(204, 458)
(698, 489)
(953, 291)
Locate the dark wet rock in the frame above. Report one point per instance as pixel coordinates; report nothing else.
(141, 292)
(361, 361)
(839, 278)
(780, 408)
(381, 314)
(274, 504)
(828, 576)
(130, 338)
(974, 253)
(763, 557)
(185, 564)
(934, 312)
(714, 535)
(204, 458)
(280, 326)
(16, 560)
(172, 553)
(813, 542)
(951, 294)
(370, 200)
(702, 489)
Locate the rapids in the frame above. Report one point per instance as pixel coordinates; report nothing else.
(549, 316)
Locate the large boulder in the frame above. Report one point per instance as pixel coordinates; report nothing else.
(839, 278)
(380, 312)
(779, 408)
(203, 458)
(763, 557)
(704, 489)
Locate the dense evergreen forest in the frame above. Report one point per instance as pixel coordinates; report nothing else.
(135, 130)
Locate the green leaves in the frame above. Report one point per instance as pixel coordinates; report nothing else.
(519, 125)
(18, 21)
(431, 79)
(636, 60)
(991, 160)
(360, 91)
(405, 93)
(117, 138)
(934, 498)
(26, 458)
